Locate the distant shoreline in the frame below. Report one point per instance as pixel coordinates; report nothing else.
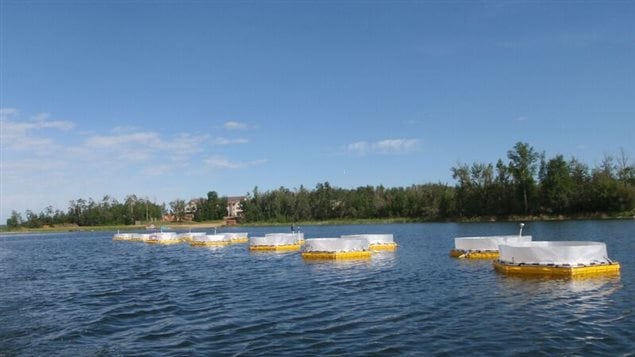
(220, 224)
(76, 228)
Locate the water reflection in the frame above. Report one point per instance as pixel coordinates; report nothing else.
(575, 296)
(337, 263)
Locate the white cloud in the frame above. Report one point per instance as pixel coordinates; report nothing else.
(386, 146)
(157, 170)
(522, 118)
(52, 160)
(234, 125)
(115, 142)
(22, 135)
(123, 129)
(145, 145)
(6, 113)
(221, 162)
(360, 147)
(396, 145)
(224, 141)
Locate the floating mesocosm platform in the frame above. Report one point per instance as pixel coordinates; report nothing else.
(210, 240)
(556, 258)
(189, 236)
(482, 247)
(241, 237)
(485, 247)
(275, 242)
(376, 242)
(336, 248)
(164, 238)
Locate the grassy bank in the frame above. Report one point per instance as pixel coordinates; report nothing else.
(629, 215)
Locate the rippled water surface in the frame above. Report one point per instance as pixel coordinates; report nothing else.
(85, 294)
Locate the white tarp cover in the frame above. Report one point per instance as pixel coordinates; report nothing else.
(487, 242)
(164, 236)
(191, 234)
(236, 235)
(210, 238)
(372, 238)
(279, 239)
(298, 235)
(553, 252)
(335, 245)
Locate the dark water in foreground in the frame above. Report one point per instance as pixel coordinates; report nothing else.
(84, 294)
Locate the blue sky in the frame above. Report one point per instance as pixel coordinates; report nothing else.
(172, 99)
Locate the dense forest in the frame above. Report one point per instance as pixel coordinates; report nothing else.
(526, 183)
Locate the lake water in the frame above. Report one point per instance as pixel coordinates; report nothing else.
(85, 294)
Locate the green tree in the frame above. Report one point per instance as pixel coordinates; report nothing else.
(15, 220)
(522, 166)
(557, 186)
(178, 209)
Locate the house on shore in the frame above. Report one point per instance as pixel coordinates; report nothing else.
(234, 209)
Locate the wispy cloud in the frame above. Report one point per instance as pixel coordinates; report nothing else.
(157, 170)
(18, 134)
(225, 141)
(522, 118)
(360, 147)
(114, 142)
(235, 125)
(144, 145)
(387, 146)
(44, 155)
(396, 145)
(6, 113)
(222, 162)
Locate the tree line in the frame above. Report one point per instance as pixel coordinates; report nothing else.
(109, 211)
(526, 182)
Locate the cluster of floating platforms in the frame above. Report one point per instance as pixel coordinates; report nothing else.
(346, 247)
(192, 238)
(519, 255)
(358, 246)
